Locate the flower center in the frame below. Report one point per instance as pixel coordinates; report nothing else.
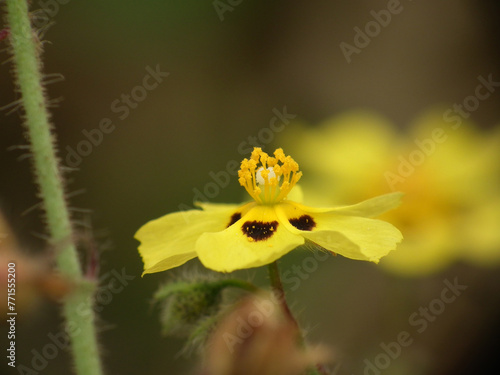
(268, 179)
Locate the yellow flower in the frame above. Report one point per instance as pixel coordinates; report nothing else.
(449, 175)
(227, 237)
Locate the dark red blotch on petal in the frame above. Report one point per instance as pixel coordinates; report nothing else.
(234, 218)
(259, 230)
(305, 222)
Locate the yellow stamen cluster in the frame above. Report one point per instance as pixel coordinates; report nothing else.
(285, 174)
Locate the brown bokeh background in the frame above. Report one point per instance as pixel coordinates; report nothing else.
(226, 76)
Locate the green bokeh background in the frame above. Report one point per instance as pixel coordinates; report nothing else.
(226, 77)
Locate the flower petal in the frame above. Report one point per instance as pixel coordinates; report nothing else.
(351, 236)
(368, 208)
(169, 241)
(296, 194)
(258, 238)
(372, 207)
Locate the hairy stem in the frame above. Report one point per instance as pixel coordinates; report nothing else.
(77, 309)
(279, 292)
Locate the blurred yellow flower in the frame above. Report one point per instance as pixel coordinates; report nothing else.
(229, 237)
(449, 174)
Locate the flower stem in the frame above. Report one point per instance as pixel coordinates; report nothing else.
(279, 292)
(77, 309)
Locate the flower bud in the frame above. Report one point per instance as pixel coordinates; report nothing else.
(258, 338)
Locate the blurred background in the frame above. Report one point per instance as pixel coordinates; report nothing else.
(231, 68)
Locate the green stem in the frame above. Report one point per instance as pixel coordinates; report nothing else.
(77, 310)
(279, 291)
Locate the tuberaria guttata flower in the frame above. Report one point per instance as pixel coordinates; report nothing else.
(228, 237)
